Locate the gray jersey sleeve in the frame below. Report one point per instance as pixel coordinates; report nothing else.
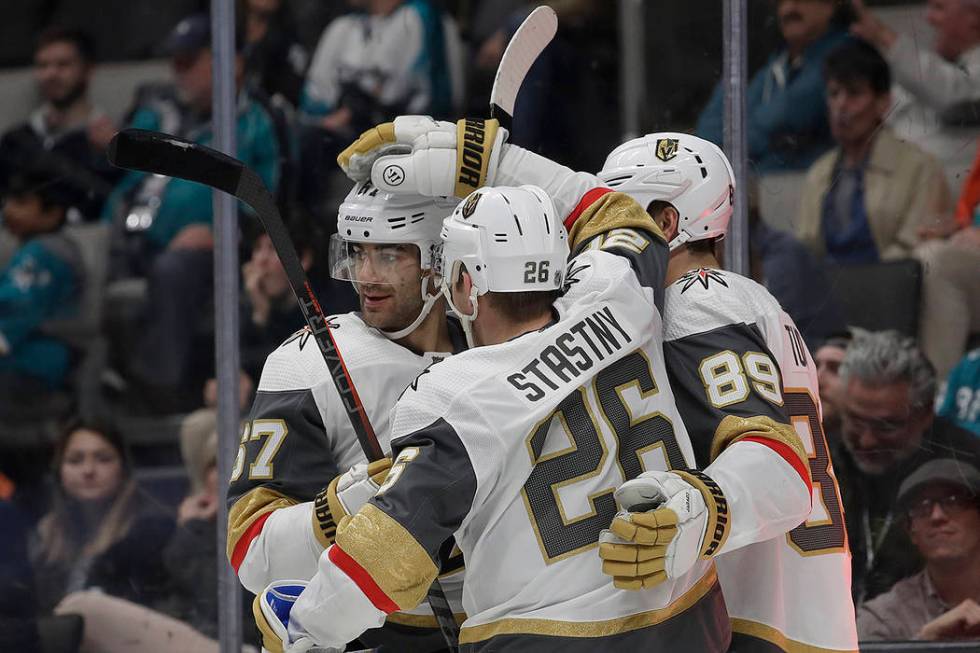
(431, 487)
(725, 371)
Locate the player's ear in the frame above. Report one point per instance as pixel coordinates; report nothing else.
(666, 217)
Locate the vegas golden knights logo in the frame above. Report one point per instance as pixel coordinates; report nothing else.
(666, 148)
(470, 204)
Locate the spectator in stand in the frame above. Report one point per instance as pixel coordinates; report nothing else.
(937, 94)
(187, 619)
(940, 502)
(960, 399)
(168, 220)
(384, 59)
(794, 276)
(828, 358)
(41, 282)
(275, 61)
(100, 532)
(888, 429)
(559, 76)
(269, 311)
(867, 199)
(951, 285)
(787, 111)
(67, 133)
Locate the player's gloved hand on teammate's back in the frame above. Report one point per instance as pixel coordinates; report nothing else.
(345, 495)
(416, 154)
(667, 521)
(354, 487)
(271, 610)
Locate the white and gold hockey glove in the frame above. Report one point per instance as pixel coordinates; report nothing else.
(435, 158)
(667, 521)
(345, 495)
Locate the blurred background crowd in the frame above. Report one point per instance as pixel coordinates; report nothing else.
(863, 125)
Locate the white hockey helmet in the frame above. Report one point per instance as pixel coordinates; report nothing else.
(510, 240)
(693, 174)
(369, 215)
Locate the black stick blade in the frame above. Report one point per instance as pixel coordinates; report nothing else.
(163, 154)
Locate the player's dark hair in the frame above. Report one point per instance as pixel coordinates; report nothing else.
(519, 306)
(83, 43)
(855, 62)
(705, 246)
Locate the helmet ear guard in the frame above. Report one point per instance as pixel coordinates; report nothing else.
(689, 172)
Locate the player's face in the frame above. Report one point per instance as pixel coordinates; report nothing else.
(828, 359)
(91, 469)
(61, 73)
(944, 523)
(388, 279)
(803, 21)
(878, 426)
(855, 111)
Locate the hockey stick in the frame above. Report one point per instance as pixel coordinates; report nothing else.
(163, 154)
(524, 48)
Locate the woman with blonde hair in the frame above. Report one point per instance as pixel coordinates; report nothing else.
(100, 532)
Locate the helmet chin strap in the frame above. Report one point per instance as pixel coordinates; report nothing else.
(466, 321)
(428, 301)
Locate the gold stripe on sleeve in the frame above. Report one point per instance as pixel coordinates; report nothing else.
(249, 507)
(394, 559)
(733, 428)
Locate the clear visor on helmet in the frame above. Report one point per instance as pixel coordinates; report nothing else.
(376, 263)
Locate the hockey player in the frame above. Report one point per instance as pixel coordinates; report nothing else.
(733, 353)
(504, 446)
(298, 435)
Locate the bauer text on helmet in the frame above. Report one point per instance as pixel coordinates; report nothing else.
(387, 246)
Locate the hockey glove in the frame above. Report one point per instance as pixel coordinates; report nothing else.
(271, 611)
(345, 495)
(416, 154)
(668, 521)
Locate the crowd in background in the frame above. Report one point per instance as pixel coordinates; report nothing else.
(108, 483)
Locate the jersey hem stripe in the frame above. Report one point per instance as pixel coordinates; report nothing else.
(421, 620)
(580, 629)
(773, 636)
(362, 579)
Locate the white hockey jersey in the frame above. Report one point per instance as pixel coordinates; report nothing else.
(298, 437)
(732, 350)
(515, 449)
